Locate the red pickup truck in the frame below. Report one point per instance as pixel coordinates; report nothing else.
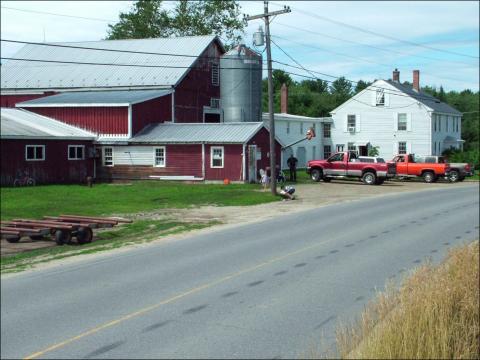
(347, 164)
(409, 166)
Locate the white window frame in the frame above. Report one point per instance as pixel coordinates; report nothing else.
(215, 74)
(215, 103)
(402, 142)
(76, 147)
(329, 126)
(164, 164)
(288, 127)
(340, 147)
(349, 117)
(327, 152)
(380, 97)
(104, 156)
(212, 150)
(35, 152)
(351, 147)
(301, 128)
(398, 122)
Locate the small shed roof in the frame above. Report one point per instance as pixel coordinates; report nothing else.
(95, 98)
(23, 124)
(158, 63)
(223, 133)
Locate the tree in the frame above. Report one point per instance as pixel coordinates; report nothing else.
(341, 89)
(318, 86)
(373, 151)
(280, 77)
(361, 85)
(147, 19)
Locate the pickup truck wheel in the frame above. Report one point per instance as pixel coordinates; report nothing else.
(316, 174)
(454, 176)
(369, 178)
(429, 177)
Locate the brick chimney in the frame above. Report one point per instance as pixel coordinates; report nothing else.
(416, 80)
(284, 99)
(396, 76)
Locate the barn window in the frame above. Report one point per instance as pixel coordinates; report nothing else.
(35, 152)
(108, 156)
(76, 152)
(326, 130)
(216, 156)
(160, 156)
(215, 74)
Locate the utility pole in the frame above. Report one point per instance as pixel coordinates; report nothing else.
(266, 17)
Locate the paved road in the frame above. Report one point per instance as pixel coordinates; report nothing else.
(271, 289)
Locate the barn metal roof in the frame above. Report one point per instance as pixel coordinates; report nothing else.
(42, 75)
(23, 124)
(95, 98)
(223, 133)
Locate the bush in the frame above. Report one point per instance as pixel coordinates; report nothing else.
(469, 156)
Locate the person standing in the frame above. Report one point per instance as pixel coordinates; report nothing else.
(292, 165)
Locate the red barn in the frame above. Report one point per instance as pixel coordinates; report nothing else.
(44, 149)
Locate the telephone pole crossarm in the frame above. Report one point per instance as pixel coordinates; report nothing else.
(266, 17)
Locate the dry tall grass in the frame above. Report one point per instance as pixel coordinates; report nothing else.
(434, 315)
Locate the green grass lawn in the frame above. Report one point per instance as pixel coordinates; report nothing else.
(119, 199)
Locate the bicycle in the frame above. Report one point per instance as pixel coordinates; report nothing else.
(23, 179)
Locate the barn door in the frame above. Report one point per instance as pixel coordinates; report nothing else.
(252, 163)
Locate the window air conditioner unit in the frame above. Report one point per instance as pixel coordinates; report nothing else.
(351, 129)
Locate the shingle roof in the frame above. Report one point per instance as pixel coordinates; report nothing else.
(224, 133)
(22, 124)
(39, 75)
(96, 98)
(426, 99)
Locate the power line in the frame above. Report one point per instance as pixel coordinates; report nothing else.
(368, 45)
(55, 14)
(313, 15)
(111, 64)
(105, 49)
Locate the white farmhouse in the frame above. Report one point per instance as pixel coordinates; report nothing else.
(291, 128)
(398, 119)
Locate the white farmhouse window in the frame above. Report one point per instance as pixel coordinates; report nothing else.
(159, 156)
(434, 122)
(402, 147)
(326, 130)
(352, 147)
(288, 127)
(380, 99)
(340, 147)
(76, 152)
(301, 128)
(108, 156)
(351, 122)
(35, 152)
(215, 74)
(458, 120)
(216, 156)
(402, 122)
(327, 151)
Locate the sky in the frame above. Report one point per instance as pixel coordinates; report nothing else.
(356, 39)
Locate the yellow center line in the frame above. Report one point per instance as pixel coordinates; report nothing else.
(167, 301)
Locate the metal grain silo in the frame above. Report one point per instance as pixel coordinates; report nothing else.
(241, 85)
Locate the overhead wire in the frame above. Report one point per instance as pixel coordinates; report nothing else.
(324, 18)
(56, 14)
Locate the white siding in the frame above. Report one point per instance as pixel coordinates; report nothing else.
(441, 131)
(133, 155)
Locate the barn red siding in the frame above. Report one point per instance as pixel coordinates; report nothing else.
(196, 89)
(102, 120)
(232, 163)
(10, 101)
(262, 140)
(181, 160)
(156, 110)
(56, 168)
